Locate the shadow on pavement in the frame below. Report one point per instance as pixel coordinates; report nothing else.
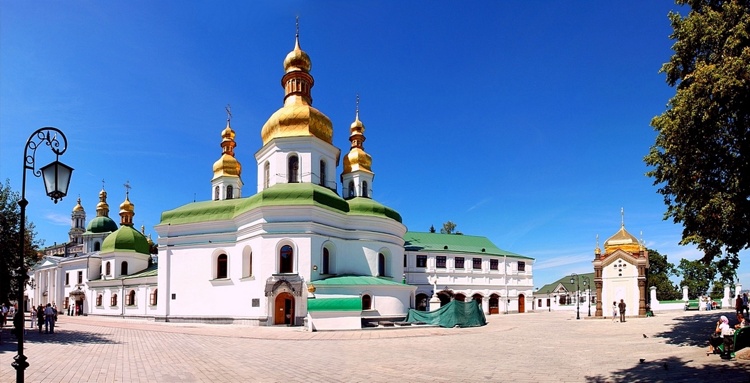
(694, 330)
(59, 337)
(674, 369)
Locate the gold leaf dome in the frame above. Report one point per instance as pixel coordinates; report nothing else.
(102, 208)
(78, 206)
(126, 206)
(227, 165)
(357, 159)
(622, 240)
(297, 119)
(297, 59)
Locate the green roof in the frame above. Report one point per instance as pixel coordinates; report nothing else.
(354, 280)
(565, 281)
(285, 194)
(126, 238)
(101, 225)
(454, 243)
(367, 206)
(334, 304)
(151, 271)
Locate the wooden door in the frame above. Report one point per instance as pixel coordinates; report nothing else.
(283, 309)
(521, 303)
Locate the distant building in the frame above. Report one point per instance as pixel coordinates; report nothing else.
(563, 294)
(465, 267)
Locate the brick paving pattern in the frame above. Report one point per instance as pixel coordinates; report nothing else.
(533, 347)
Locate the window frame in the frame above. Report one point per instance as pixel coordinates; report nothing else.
(421, 260)
(459, 262)
(521, 266)
(286, 265)
(476, 263)
(440, 261)
(222, 266)
(494, 264)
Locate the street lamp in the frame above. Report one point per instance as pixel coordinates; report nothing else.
(56, 178)
(587, 286)
(549, 302)
(575, 279)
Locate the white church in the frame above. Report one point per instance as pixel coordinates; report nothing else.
(294, 252)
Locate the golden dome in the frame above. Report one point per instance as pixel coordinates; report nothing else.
(227, 165)
(622, 240)
(102, 208)
(126, 206)
(311, 288)
(297, 119)
(357, 159)
(78, 206)
(297, 59)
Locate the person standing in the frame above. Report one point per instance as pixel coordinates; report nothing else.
(614, 311)
(40, 317)
(738, 303)
(622, 306)
(745, 305)
(49, 320)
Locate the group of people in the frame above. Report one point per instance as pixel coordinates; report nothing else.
(707, 303)
(618, 308)
(724, 331)
(46, 316)
(740, 304)
(6, 311)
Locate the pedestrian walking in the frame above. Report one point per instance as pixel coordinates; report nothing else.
(614, 311)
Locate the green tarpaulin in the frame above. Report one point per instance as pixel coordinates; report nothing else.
(455, 313)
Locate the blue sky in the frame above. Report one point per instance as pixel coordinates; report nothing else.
(522, 121)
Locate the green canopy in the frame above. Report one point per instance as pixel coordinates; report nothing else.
(455, 313)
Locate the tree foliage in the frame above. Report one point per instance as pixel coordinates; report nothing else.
(449, 228)
(659, 272)
(701, 157)
(697, 276)
(10, 221)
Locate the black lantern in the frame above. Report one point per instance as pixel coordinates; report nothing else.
(56, 178)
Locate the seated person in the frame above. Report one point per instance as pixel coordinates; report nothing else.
(741, 321)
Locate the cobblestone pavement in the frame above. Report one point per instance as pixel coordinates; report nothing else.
(532, 347)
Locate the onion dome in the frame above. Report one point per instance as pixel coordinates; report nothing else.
(297, 118)
(622, 240)
(125, 239)
(78, 206)
(102, 223)
(227, 164)
(127, 211)
(357, 158)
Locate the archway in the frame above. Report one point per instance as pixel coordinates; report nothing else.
(283, 312)
(521, 303)
(421, 302)
(477, 298)
(494, 304)
(445, 297)
(460, 297)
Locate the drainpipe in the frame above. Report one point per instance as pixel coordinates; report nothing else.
(505, 268)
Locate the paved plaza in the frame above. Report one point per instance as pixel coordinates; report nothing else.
(532, 347)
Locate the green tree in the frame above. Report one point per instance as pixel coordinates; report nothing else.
(700, 156)
(449, 228)
(10, 221)
(697, 276)
(659, 272)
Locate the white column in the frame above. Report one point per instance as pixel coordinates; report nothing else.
(654, 301)
(726, 301)
(684, 293)
(486, 305)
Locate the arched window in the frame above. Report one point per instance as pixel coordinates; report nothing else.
(230, 192)
(326, 269)
(364, 189)
(99, 300)
(124, 268)
(322, 173)
(154, 295)
(221, 266)
(366, 302)
(216, 193)
(107, 269)
(351, 189)
(131, 298)
(293, 169)
(266, 174)
(97, 246)
(113, 301)
(381, 265)
(286, 260)
(247, 262)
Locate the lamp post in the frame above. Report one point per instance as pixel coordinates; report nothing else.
(549, 302)
(587, 286)
(56, 177)
(575, 279)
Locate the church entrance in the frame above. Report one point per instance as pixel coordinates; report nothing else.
(494, 304)
(284, 309)
(521, 303)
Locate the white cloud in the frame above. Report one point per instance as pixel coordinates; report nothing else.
(57, 219)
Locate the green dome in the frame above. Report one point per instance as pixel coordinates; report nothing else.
(101, 225)
(126, 238)
(366, 206)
